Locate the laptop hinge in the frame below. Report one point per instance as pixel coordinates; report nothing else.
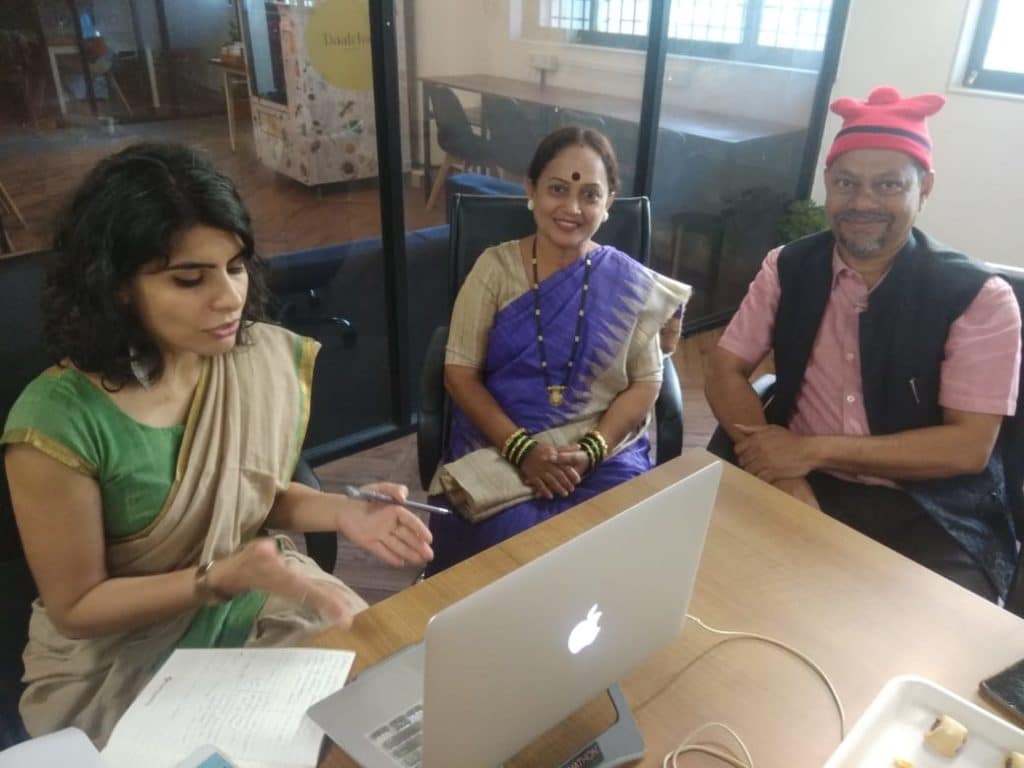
(620, 743)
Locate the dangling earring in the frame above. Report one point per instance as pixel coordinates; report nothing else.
(529, 203)
(605, 217)
(139, 370)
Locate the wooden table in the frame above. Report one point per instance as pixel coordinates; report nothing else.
(69, 46)
(772, 566)
(729, 130)
(231, 74)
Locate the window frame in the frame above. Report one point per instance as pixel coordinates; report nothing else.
(747, 51)
(976, 76)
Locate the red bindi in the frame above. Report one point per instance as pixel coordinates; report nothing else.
(575, 176)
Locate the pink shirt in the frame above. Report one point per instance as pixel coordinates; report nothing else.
(979, 373)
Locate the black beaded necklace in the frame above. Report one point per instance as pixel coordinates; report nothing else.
(556, 392)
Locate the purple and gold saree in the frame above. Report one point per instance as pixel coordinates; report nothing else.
(626, 307)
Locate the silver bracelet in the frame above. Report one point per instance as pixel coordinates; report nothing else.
(207, 593)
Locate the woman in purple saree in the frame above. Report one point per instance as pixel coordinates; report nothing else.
(553, 361)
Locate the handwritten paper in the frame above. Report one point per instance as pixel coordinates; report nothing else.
(250, 703)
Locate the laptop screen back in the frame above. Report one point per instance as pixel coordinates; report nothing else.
(513, 659)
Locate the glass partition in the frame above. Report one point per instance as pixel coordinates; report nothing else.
(279, 95)
(739, 91)
(519, 75)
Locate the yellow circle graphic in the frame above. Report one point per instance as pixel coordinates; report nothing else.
(338, 41)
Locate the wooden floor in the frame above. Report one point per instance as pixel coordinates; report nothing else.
(397, 461)
(40, 169)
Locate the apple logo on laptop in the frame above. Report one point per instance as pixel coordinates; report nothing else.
(584, 633)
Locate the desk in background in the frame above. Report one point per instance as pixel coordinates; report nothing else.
(69, 47)
(771, 565)
(731, 131)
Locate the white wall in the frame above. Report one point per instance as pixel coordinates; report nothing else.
(489, 39)
(913, 45)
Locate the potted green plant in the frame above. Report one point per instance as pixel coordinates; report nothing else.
(802, 217)
(231, 51)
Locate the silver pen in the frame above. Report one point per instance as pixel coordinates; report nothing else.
(382, 498)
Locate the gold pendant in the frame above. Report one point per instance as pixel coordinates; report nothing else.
(555, 396)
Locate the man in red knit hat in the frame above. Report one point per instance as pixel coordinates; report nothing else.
(896, 358)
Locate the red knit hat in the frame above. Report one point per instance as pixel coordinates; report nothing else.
(886, 121)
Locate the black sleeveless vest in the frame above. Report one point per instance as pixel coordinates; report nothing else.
(903, 334)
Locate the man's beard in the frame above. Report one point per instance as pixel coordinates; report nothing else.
(865, 247)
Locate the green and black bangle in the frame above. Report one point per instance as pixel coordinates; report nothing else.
(520, 454)
(595, 447)
(518, 447)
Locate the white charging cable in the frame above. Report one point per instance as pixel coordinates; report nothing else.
(689, 745)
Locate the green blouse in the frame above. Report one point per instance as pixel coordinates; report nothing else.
(68, 418)
(65, 416)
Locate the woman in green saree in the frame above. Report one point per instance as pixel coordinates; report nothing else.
(146, 466)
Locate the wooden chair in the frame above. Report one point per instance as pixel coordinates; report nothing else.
(460, 143)
(23, 66)
(7, 205)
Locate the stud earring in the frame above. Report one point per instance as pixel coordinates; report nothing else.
(529, 203)
(605, 217)
(139, 370)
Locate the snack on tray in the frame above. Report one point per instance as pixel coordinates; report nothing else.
(899, 762)
(947, 736)
(1014, 760)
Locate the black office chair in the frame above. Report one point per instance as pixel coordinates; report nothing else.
(589, 120)
(298, 285)
(512, 136)
(480, 221)
(23, 355)
(1010, 443)
(455, 135)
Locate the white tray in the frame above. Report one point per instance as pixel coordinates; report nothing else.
(904, 710)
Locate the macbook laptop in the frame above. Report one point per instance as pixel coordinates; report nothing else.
(501, 666)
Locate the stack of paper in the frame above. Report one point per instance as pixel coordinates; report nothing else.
(54, 750)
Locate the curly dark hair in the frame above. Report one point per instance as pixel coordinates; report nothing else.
(127, 213)
(570, 136)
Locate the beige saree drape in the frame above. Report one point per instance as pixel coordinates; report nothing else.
(241, 443)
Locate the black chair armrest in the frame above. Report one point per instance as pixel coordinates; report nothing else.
(12, 729)
(668, 413)
(432, 426)
(322, 546)
(720, 443)
(298, 282)
(1015, 595)
(304, 474)
(19, 590)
